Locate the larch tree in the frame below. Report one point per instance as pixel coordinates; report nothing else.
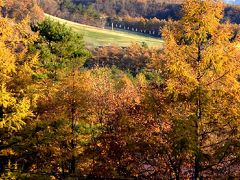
(202, 61)
(71, 106)
(114, 96)
(18, 93)
(64, 99)
(16, 68)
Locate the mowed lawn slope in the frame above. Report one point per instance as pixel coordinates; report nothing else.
(94, 37)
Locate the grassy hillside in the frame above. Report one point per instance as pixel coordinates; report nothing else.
(104, 37)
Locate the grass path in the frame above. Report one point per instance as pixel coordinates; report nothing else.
(94, 36)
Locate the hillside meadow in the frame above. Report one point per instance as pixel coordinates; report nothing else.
(94, 36)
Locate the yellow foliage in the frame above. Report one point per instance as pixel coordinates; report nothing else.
(202, 62)
(15, 73)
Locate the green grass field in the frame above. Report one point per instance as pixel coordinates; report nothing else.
(94, 37)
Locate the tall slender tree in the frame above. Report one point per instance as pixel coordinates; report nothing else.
(18, 93)
(15, 65)
(202, 63)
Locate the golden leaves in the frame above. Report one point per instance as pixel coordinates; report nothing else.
(19, 110)
(15, 66)
(201, 18)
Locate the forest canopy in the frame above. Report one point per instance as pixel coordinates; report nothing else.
(84, 10)
(135, 112)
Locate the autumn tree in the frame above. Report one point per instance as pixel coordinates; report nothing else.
(114, 95)
(18, 93)
(202, 62)
(15, 64)
(59, 48)
(22, 9)
(61, 110)
(133, 59)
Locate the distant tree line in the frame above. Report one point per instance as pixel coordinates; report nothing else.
(94, 12)
(134, 15)
(66, 9)
(232, 14)
(162, 9)
(150, 27)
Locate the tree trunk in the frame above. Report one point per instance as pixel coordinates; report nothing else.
(1, 112)
(4, 12)
(73, 165)
(73, 160)
(177, 176)
(63, 171)
(196, 168)
(199, 116)
(73, 111)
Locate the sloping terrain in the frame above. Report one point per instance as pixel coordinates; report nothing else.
(94, 37)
